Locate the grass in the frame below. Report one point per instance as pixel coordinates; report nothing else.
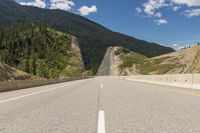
(161, 69)
(145, 65)
(131, 58)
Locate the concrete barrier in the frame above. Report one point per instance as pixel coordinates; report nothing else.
(22, 84)
(196, 81)
(182, 80)
(190, 81)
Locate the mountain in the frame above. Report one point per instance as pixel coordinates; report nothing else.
(9, 73)
(183, 61)
(41, 51)
(94, 39)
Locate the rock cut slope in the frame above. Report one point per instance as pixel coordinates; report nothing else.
(187, 60)
(126, 62)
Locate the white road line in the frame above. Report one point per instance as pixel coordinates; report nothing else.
(101, 85)
(31, 94)
(101, 122)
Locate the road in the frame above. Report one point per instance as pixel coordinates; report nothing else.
(101, 104)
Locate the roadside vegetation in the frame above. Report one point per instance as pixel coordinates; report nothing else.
(144, 65)
(39, 50)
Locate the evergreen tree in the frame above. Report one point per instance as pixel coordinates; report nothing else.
(35, 49)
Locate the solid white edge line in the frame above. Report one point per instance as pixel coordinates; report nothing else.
(101, 122)
(30, 94)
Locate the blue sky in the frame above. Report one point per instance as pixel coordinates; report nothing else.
(173, 23)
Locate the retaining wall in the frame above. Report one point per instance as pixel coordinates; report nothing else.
(191, 81)
(22, 84)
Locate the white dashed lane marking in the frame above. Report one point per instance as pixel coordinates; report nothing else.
(101, 122)
(101, 85)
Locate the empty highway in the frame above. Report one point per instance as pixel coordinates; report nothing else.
(100, 105)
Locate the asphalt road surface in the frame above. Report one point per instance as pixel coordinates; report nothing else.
(101, 104)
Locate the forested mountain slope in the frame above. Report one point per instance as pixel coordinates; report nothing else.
(94, 39)
(41, 51)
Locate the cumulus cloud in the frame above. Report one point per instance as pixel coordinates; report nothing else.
(176, 8)
(192, 13)
(139, 10)
(62, 4)
(152, 5)
(187, 2)
(161, 21)
(158, 15)
(153, 8)
(185, 46)
(85, 10)
(175, 45)
(37, 3)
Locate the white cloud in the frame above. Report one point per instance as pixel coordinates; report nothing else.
(176, 8)
(85, 10)
(37, 3)
(62, 4)
(185, 46)
(152, 8)
(159, 15)
(192, 13)
(187, 2)
(175, 45)
(161, 21)
(139, 10)
(181, 47)
(152, 5)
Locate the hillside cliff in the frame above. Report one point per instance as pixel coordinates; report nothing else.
(126, 62)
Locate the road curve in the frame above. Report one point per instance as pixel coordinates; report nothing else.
(124, 106)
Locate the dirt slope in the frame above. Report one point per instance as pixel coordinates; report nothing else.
(188, 60)
(10, 73)
(126, 62)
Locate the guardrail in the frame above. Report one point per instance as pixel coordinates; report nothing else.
(22, 84)
(190, 81)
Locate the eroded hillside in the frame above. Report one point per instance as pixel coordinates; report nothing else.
(183, 61)
(8, 73)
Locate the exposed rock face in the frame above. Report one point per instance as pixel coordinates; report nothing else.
(77, 51)
(187, 59)
(105, 67)
(111, 62)
(121, 61)
(180, 62)
(76, 66)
